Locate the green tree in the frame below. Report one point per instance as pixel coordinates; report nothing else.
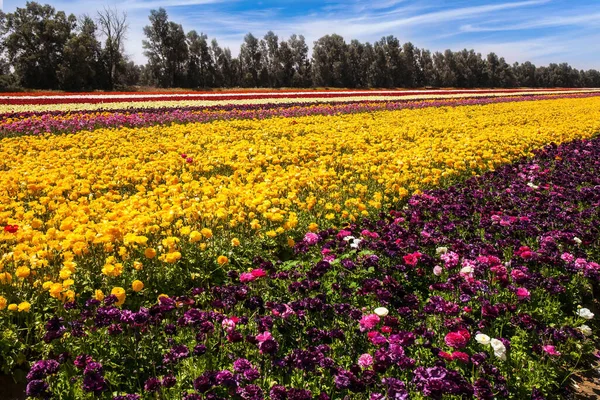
(330, 63)
(80, 61)
(166, 49)
(36, 37)
(250, 61)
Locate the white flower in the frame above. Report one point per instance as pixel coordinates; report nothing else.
(355, 243)
(441, 250)
(482, 339)
(499, 349)
(577, 240)
(348, 238)
(468, 270)
(586, 330)
(585, 313)
(531, 185)
(381, 311)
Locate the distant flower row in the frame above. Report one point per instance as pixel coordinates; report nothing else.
(72, 121)
(94, 102)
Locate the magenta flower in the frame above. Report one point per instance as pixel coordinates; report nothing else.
(551, 350)
(368, 322)
(523, 294)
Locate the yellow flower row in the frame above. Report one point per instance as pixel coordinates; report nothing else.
(114, 206)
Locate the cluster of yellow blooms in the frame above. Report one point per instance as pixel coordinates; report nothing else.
(116, 203)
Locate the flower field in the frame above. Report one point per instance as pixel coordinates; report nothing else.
(300, 245)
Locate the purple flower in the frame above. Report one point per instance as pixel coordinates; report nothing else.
(168, 381)
(37, 388)
(152, 384)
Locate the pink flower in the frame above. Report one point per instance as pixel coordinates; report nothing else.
(437, 270)
(247, 277)
(258, 273)
(228, 324)
(343, 233)
(368, 322)
(458, 339)
(445, 356)
(551, 350)
(522, 294)
(263, 337)
(311, 238)
(567, 257)
(365, 360)
(460, 356)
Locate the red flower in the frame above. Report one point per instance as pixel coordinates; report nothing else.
(460, 356)
(412, 259)
(11, 228)
(458, 339)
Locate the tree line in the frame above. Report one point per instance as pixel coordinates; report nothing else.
(42, 48)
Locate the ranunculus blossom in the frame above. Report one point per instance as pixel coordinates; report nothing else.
(585, 313)
(412, 259)
(482, 339)
(585, 330)
(458, 339)
(437, 270)
(258, 272)
(460, 356)
(311, 238)
(368, 322)
(523, 294)
(381, 311)
(11, 228)
(499, 349)
(551, 350)
(247, 277)
(365, 360)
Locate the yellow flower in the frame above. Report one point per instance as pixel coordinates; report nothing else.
(99, 295)
(195, 236)
(24, 306)
(137, 285)
(22, 272)
(12, 307)
(291, 242)
(207, 233)
(5, 277)
(313, 227)
(3, 302)
(222, 260)
(69, 296)
(138, 266)
(150, 253)
(235, 242)
(55, 290)
(65, 273)
(172, 258)
(271, 233)
(119, 292)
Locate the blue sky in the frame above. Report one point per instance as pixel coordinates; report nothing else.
(541, 31)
